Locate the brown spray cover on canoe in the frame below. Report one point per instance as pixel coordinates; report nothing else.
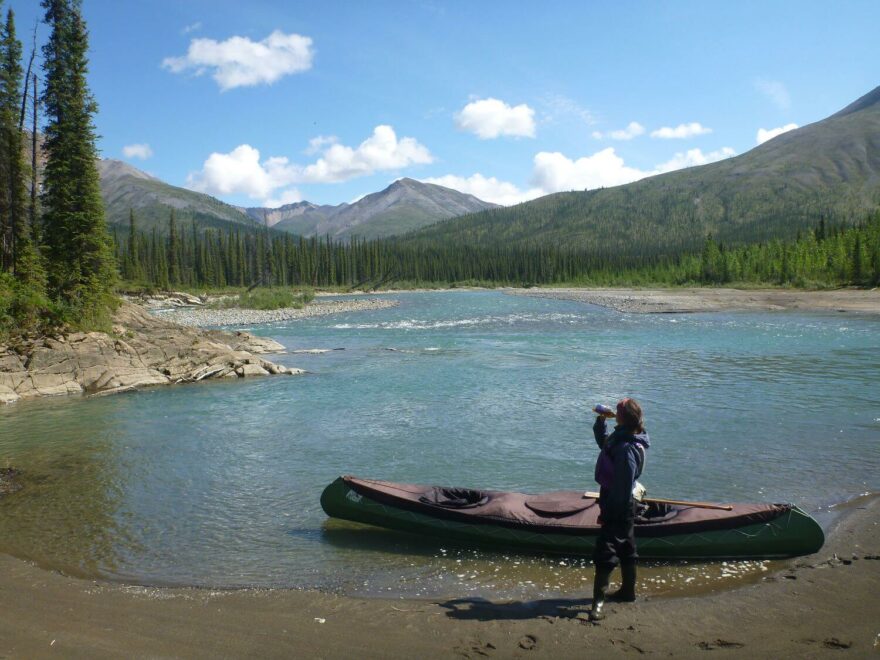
(562, 512)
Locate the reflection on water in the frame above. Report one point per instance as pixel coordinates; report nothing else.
(65, 514)
(217, 484)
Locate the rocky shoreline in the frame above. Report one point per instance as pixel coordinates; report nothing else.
(142, 351)
(201, 316)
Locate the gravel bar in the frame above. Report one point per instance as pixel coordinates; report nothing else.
(205, 317)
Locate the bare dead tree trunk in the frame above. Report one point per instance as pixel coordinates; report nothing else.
(27, 77)
(35, 233)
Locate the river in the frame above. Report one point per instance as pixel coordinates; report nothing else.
(217, 484)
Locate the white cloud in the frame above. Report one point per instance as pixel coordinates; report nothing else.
(554, 171)
(291, 196)
(765, 134)
(241, 172)
(240, 62)
(775, 91)
(681, 131)
(488, 189)
(192, 27)
(633, 129)
(381, 151)
(557, 106)
(319, 142)
(141, 151)
(693, 157)
(491, 118)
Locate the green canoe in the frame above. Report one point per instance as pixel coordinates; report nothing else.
(566, 522)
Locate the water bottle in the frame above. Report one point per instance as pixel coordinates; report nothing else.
(604, 411)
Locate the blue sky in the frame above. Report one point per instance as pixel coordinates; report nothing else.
(260, 102)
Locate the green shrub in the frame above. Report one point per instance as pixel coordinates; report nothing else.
(25, 310)
(269, 298)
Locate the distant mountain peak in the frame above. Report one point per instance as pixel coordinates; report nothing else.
(110, 167)
(404, 205)
(870, 99)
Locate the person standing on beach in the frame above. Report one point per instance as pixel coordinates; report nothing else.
(620, 462)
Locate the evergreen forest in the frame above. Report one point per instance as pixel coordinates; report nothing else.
(190, 257)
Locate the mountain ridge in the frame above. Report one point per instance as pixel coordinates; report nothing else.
(826, 169)
(125, 188)
(404, 205)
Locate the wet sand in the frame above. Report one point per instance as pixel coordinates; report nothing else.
(824, 605)
(706, 299)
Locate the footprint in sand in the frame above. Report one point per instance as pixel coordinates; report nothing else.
(474, 648)
(528, 642)
(834, 643)
(719, 644)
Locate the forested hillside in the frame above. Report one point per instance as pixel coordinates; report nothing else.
(125, 188)
(828, 170)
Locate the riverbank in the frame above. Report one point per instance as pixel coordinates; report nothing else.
(704, 299)
(815, 607)
(203, 316)
(142, 351)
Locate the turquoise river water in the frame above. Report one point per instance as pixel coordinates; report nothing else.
(217, 484)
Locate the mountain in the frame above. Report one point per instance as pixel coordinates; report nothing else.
(404, 206)
(124, 187)
(827, 170)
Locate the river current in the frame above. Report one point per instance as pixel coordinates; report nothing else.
(217, 484)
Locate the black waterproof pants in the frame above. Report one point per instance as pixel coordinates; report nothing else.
(616, 544)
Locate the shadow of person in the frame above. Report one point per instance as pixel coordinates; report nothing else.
(480, 609)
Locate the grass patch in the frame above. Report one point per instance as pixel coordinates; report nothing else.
(269, 298)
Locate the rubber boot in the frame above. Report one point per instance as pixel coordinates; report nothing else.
(600, 587)
(627, 591)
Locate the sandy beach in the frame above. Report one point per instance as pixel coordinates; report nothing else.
(706, 299)
(823, 605)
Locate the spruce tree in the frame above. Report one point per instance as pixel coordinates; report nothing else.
(81, 267)
(20, 257)
(173, 251)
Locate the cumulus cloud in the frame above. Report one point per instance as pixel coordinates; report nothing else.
(240, 62)
(555, 172)
(489, 189)
(381, 151)
(693, 157)
(491, 118)
(775, 91)
(291, 196)
(765, 134)
(319, 142)
(681, 131)
(141, 151)
(633, 129)
(241, 171)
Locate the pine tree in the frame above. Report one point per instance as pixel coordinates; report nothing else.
(80, 262)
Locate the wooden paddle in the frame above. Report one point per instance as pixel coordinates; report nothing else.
(696, 505)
